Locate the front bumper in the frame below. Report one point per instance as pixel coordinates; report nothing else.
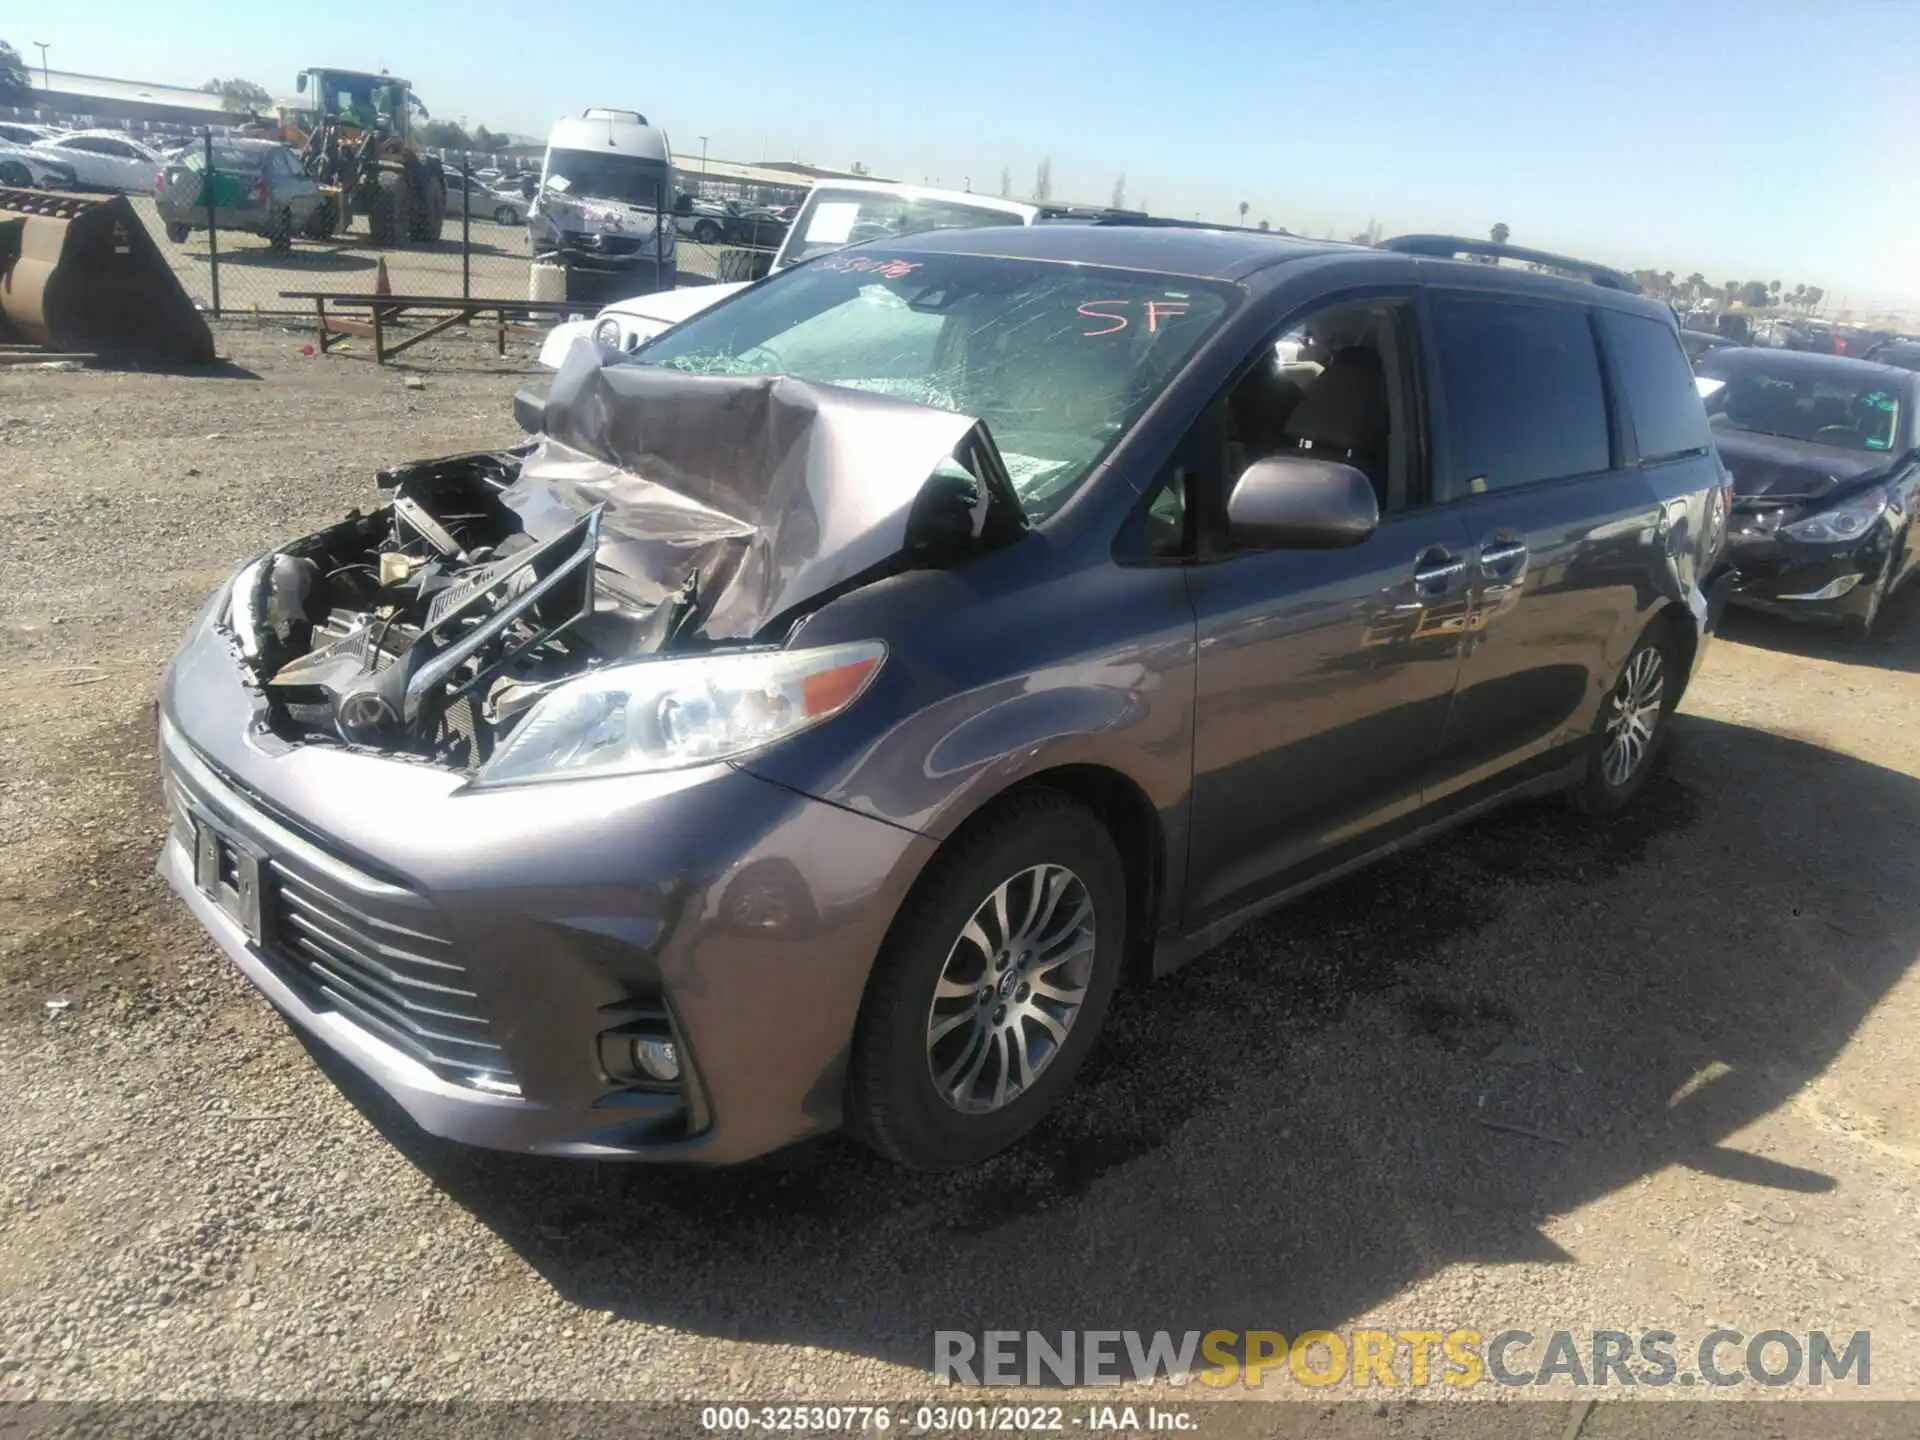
(464, 950)
(1782, 576)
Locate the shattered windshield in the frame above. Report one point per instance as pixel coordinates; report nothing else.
(833, 219)
(1058, 360)
(1827, 410)
(593, 175)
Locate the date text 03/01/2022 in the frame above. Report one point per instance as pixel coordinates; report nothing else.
(942, 1419)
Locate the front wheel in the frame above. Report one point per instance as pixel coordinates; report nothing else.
(280, 232)
(991, 987)
(1632, 726)
(506, 215)
(13, 173)
(178, 233)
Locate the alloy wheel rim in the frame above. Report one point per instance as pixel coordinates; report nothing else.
(1633, 713)
(1013, 984)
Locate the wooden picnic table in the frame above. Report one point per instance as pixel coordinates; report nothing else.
(384, 309)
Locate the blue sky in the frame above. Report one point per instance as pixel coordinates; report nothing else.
(1757, 140)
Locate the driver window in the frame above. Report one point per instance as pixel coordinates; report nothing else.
(1337, 385)
(1334, 386)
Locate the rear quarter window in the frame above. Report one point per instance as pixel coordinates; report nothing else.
(1524, 399)
(1657, 384)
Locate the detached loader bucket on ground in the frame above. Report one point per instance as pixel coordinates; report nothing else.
(82, 276)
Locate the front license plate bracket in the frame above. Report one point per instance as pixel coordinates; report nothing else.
(228, 872)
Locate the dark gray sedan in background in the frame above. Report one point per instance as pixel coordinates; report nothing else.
(832, 704)
(1825, 455)
(258, 186)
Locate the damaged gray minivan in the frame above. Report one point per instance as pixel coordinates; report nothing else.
(830, 705)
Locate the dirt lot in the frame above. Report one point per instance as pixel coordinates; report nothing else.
(1706, 1015)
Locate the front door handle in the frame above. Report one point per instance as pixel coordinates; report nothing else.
(1503, 559)
(1436, 572)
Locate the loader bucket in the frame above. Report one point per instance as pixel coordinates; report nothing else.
(81, 275)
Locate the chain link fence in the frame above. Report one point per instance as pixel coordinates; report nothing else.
(266, 234)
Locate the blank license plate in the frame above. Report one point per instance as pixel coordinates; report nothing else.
(228, 872)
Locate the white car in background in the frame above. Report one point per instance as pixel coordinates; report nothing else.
(836, 213)
(105, 160)
(28, 168)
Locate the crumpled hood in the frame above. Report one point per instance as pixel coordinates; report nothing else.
(1775, 469)
(763, 491)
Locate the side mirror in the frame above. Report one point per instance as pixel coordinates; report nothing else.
(1292, 502)
(683, 203)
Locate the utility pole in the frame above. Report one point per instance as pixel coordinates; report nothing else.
(46, 83)
(703, 157)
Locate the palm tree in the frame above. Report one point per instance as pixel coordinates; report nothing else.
(1500, 232)
(1696, 286)
(1244, 207)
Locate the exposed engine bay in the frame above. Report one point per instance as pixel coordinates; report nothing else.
(655, 512)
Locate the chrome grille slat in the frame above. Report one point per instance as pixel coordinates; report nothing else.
(336, 902)
(369, 1020)
(344, 953)
(305, 905)
(361, 990)
(362, 945)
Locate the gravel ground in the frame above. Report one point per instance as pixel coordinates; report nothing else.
(1298, 1131)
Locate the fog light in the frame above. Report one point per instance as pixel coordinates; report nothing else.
(1832, 590)
(656, 1059)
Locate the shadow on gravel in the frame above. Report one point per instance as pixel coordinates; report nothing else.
(1894, 644)
(1412, 1068)
(260, 256)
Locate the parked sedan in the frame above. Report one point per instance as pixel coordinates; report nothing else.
(105, 160)
(1903, 353)
(1825, 455)
(259, 186)
(27, 168)
(1703, 342)
(501, 207)
(730, 222)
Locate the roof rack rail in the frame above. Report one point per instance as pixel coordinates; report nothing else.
(1167, 222)
(1449, 247)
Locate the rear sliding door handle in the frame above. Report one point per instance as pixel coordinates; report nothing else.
(1436, 571)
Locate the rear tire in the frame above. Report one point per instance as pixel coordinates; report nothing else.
(428, 212)
(705, 232)
(738, 265)
(13, 173)
(973, 1027)
(383, 223)
(1631, 731)
(506, 215)
(178, 233)
(280, 232)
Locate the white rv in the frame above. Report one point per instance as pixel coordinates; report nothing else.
(836, 213)
(605, 205)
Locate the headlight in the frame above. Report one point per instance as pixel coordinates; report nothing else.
(607, 333)
(1844, 522)
(655, 715)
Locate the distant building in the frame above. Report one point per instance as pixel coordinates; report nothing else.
(136, 105)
